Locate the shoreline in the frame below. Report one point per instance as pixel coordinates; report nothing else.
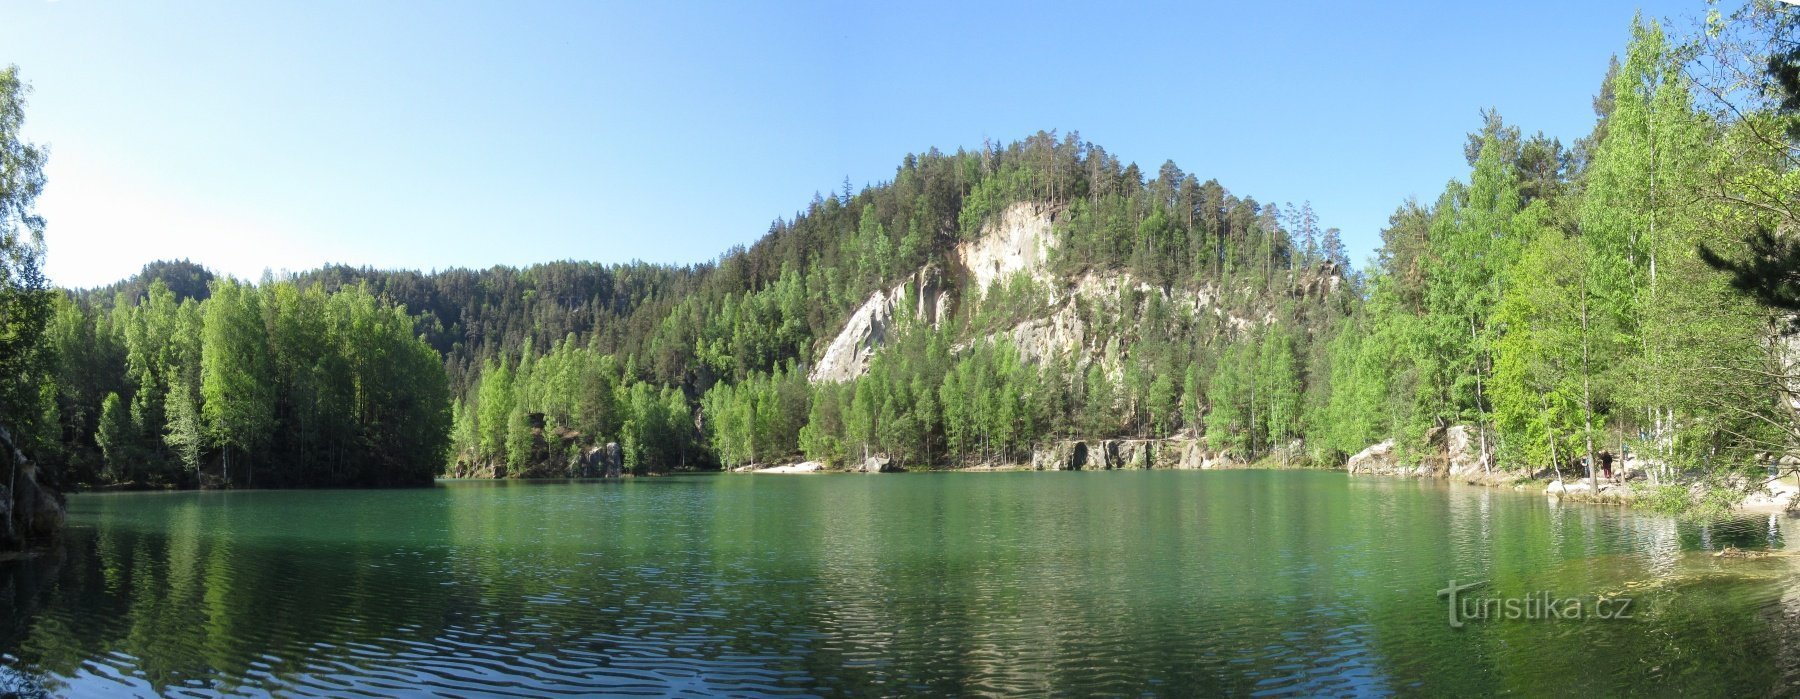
(1778, 498)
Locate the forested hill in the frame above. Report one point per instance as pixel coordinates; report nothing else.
(636, 349)
(984, 304)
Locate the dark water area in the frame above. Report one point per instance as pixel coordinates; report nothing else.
(1134, 583)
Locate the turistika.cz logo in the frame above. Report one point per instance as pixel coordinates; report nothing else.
(1535, 606)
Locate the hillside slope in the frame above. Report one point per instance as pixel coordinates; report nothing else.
(976, 306)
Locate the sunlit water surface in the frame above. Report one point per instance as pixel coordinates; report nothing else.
(1135, 583)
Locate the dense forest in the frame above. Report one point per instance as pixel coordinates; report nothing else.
(1622, 292)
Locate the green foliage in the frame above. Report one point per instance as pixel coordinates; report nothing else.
(25, 301)
(1556, 297)
(237, 380)
(759, 419)
(1567, 296)
(271, 385)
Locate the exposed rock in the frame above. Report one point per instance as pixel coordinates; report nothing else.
(1377, 459)
(597, 462)
(30, 513)
(1580, 490)
(878, 464)
(1058, 456)
(1136, 453)
(1774, 496)
(614, 464)
(934, 298)
(1105, 454)
(466, 466)
(1321, 281)
(1092, 455)
(1020, 240)
(1448, 452)
(1462, 450)
(1190, 454)
(847, 357)
(1041, 339)
(1291, 454)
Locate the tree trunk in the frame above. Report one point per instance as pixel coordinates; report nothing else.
(1480, 411)
(1587, 397)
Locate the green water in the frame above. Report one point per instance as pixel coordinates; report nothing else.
(1139, 583)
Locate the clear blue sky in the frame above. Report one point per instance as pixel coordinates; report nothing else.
(253, 135)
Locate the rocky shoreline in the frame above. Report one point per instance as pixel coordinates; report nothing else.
(1172, 453)
(1455, 454)
(1452, 454)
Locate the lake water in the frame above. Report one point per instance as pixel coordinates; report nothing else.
(1138, 583)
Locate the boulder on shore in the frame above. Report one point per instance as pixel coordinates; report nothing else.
(1462, 449)
(1378, 458)
(30, 513)
(877, 464)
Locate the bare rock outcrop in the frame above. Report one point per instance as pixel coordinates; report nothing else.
(1462, 450)
(1453, 452)
(1041, 339)
(1136, 453)
(599, 462)
(1379, 458)
(848, 355)
(877, 464)
(1057, 456)
(30, 513)
(1020, 240)
(1109, 454)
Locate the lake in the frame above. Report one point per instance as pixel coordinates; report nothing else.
(1141, 583)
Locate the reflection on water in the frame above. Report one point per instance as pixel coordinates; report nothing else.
(1162, 582)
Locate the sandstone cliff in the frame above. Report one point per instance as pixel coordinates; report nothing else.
(1020, 243)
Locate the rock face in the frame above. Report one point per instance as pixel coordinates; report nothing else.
(1055, 456)
(1019, 241)
(30, 513)
(615, 461)
(1462, 450)
(1040, 339)
(589, 462)
(1450, 452)
(1377, 459)
(847, 357)
(1109, 454)
(599, 462)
